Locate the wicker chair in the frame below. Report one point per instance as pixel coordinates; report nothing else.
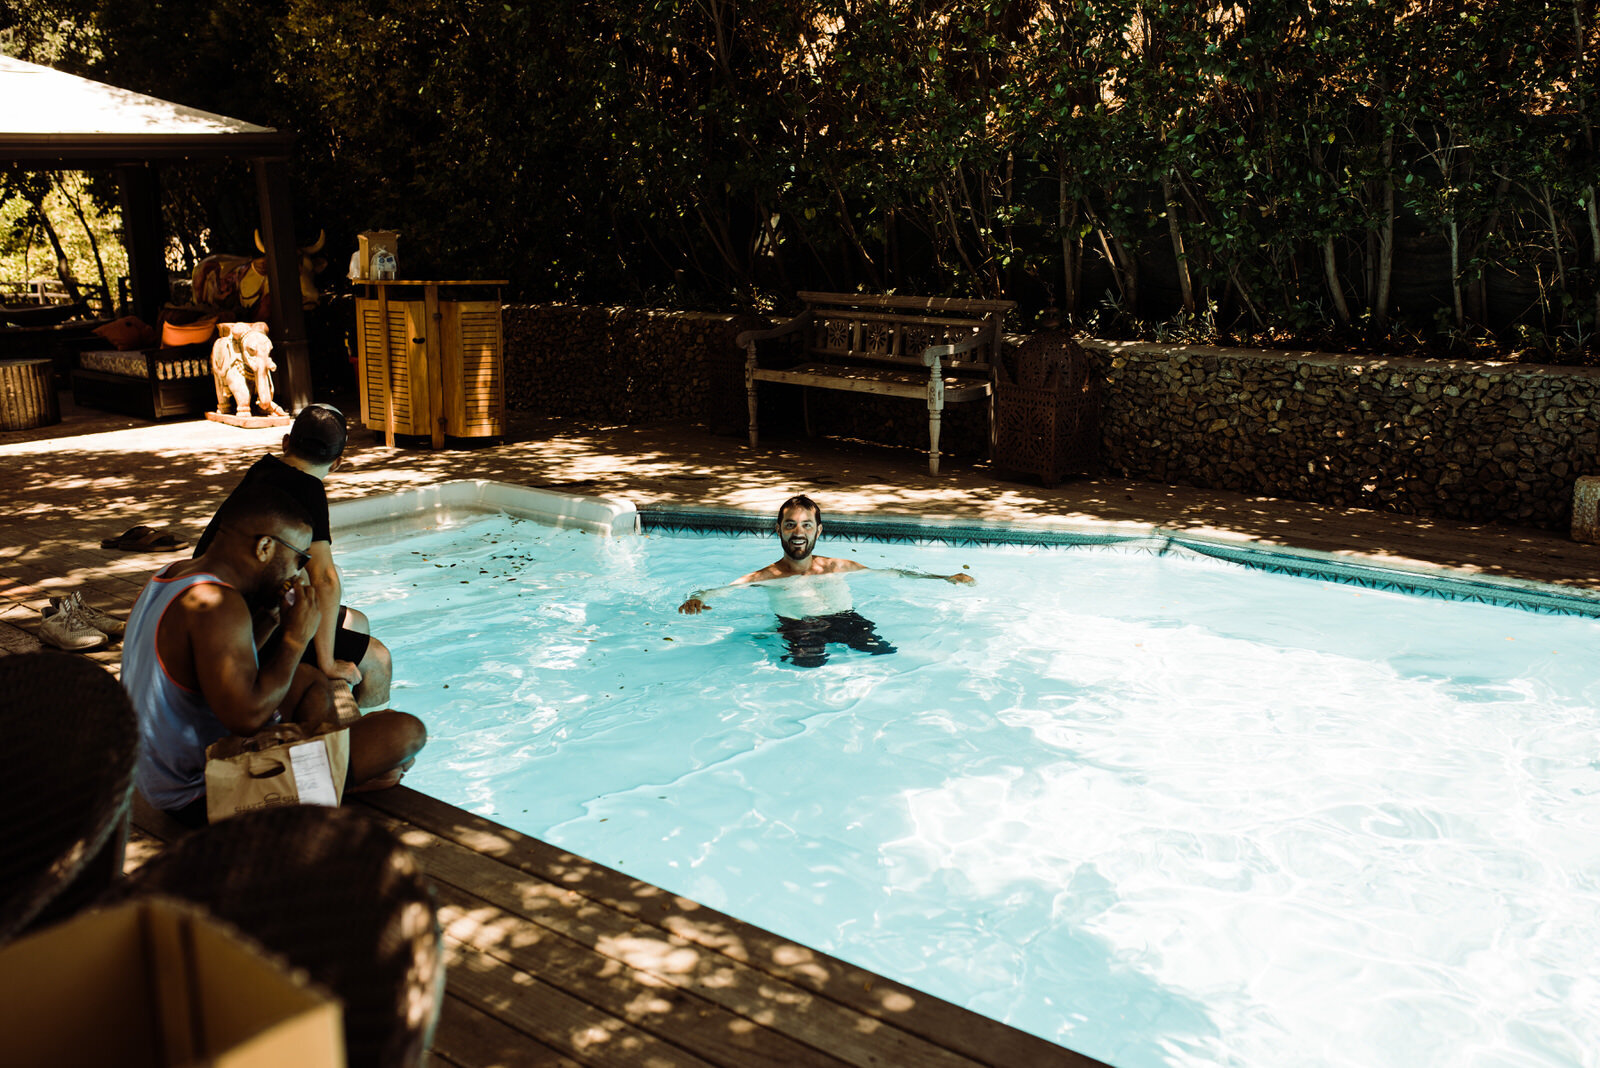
(334, 893)
(1046, 409)
(70, 738)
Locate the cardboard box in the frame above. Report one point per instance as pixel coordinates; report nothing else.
(373, 242)
(158, 982)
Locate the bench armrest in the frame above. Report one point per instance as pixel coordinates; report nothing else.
(934, 353)
(748, 337)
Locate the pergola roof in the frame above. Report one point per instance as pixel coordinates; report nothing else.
(51, 117)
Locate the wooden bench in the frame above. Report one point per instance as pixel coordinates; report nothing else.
(932, 348)
(151, 383)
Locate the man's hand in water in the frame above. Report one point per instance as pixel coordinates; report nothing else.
(961, 577)
(693, 607)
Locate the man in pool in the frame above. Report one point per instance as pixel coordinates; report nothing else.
(816, 613)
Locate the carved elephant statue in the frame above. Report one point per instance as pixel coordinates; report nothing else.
(242, 356)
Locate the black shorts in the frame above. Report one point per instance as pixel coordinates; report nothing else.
(808, 639)
(348, 644)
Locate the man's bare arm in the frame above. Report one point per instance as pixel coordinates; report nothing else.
(240, 692)
(324, 576)
(697, 600)
(960, 577)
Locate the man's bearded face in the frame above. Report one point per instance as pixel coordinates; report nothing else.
(798, 530)
(277, 574)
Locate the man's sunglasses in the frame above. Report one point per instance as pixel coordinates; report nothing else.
(301, 556)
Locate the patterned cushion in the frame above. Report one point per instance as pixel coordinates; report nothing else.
(134, 364)
(113, 362)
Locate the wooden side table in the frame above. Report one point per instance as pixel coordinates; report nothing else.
(28, 394)
(431, 365)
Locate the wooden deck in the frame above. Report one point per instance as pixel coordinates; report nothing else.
(556, 960)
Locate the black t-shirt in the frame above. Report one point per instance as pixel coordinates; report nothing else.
(271, 471)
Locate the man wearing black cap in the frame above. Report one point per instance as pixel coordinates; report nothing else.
(343, 647)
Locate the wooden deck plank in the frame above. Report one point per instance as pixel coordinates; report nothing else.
(553, 1017)
(471, 1038)
(671, 1012)
(938, 1022)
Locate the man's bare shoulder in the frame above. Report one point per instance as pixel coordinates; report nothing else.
(213, 600)
(771, 571)
(829, 565)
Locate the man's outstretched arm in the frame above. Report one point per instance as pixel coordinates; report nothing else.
(960, 577)
(697, 600)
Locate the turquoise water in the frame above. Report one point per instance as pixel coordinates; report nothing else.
(1163, 811)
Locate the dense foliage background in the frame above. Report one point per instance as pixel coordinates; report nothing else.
(1338, 173)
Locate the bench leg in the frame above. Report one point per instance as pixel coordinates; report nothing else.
(934, 415)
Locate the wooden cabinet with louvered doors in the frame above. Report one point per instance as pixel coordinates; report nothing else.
(474, 369)
(432, 367)
(393, 366)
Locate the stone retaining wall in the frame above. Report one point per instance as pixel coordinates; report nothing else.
(1502, 442)
(626, 365)
(1464, 440)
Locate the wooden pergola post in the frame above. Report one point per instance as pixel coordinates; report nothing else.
(287, 323)
(144, 235)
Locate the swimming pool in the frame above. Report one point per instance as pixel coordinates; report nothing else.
(1183, 813)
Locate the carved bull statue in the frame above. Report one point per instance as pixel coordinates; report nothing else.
(240, 356)
(239, 284)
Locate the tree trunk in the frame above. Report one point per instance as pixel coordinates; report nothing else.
(1594, 248)
(1124, 268)
(1185, 286)
(1066, 218)
(1455, 270)
(1330, 268)
(63, 267)
(107, 309)
(1385, 266)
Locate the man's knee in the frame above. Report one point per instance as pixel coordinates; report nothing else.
(377, 670)
(382, 742)
(315, 706)
(355, 619)
(377, 660)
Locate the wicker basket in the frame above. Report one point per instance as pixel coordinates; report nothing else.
(334, 893)
(68, 730)
(1046, 409)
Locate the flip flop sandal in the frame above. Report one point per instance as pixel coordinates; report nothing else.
(144, 539)
(128, 539)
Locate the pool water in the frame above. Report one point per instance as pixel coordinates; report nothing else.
(1163, 811)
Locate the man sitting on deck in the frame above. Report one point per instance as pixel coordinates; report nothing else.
(812, 615)
(214, 646)
(343, 647)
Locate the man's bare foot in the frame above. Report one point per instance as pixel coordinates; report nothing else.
(382, 782)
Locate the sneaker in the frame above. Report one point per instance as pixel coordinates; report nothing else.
(102, 621)
(68, 630)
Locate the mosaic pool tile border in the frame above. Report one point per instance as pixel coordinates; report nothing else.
(1303, 563)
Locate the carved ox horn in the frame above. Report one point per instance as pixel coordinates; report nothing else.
(310, 250)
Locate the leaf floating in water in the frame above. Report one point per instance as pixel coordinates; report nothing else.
(666, 639)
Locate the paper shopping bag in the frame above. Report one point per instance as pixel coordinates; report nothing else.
(278, 766)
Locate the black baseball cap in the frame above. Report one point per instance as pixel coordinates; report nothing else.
(318, 434)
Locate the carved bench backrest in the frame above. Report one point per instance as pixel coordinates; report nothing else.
(896, 330)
